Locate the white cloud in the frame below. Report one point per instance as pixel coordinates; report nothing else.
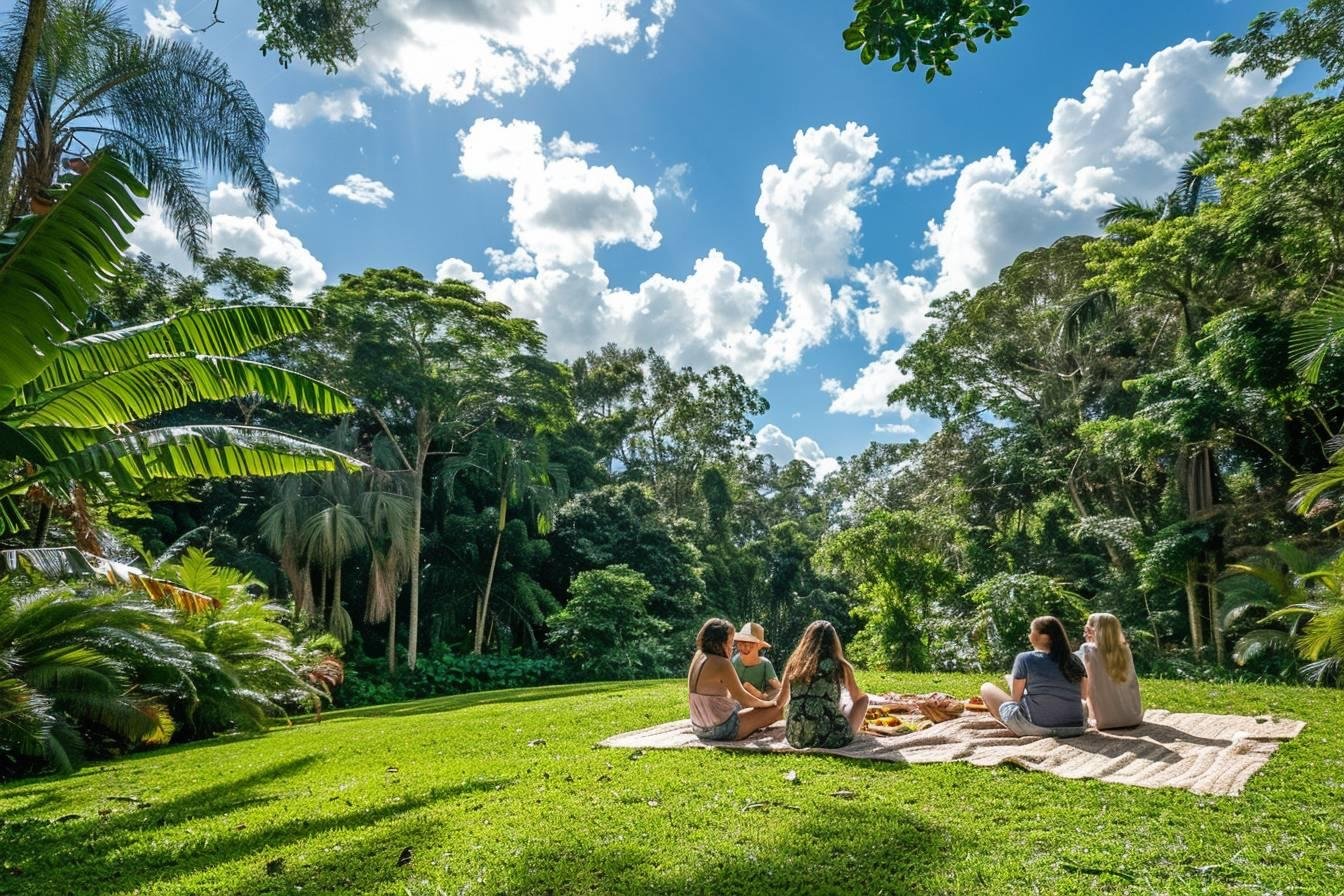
(884, 176)
(454, 51)
(672, 182)
(516, 262)
(167, 24)
(235, 226)
(812, 230)
(457, 269)
(932, 170)
(565, 145)
(868, 396)
(363, 190)
(893, 304)
(562, 210)
(1127, 136)
(283, 180)
(773, 441)
(338, 106)
(899, 429)
(662, 11)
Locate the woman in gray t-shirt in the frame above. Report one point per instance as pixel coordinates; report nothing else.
(1049, 684)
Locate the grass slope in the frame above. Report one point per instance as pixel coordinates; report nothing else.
(485, 806)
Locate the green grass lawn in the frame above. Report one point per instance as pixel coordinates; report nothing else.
(505, 792)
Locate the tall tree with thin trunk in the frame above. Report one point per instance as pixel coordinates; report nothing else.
(432, 364)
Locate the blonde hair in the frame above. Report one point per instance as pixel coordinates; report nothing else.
(1111, 644)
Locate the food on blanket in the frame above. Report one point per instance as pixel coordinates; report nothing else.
(975, 704)
(890, 730)
(941, 707)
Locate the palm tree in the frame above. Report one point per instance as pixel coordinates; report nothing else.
(519, 471)
(1194, 187)
(167, 107)
(75, 659)
(1279, 579)
(331, 536)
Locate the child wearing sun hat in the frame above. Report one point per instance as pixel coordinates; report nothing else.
(757, 673)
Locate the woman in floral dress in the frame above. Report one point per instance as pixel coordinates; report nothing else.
(812, 681)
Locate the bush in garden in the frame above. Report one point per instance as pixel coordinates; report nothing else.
(605, 631)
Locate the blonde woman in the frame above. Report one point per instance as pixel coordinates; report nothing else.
(1113, 693)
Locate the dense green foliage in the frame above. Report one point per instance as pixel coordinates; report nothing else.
(503, 792)
(928, 32)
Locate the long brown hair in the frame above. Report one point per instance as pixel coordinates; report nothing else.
(714, 637)
(1069, 665)
(819, 642)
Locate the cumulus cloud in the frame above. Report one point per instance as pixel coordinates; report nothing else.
(899, 429)
(363, 190)
(932, 170)
(235, 226)
(884, 176)
(516, 262)
(338, 106)
(1127, 135)
(812, 229)
(868, 395)
(497, 49)
(565, 145)
(892, 304)
(457, 269)
(773, 441)
(563, 210)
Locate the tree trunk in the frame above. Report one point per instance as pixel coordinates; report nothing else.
(392, 635)
(18, 93)
(417, 494)
(322, 596)
(43, 523)
(335, 593)
(1192, 606)
(1215, 620)
(483, 606)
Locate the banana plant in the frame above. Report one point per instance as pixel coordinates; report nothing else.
(71, 407)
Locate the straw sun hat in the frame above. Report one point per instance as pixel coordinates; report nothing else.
(751, 631)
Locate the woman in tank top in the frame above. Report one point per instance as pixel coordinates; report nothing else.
(716, 693)
(1113, 698)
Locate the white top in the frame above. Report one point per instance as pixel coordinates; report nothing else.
(1111, 703)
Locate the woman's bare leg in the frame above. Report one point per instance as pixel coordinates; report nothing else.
(754, 719)
(994, 697)
(856, 713)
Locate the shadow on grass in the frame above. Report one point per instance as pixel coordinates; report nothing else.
(478, 698)
(847, 848)
(99, 854)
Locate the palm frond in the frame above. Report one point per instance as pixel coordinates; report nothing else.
(1315, 333)
(1128, 210)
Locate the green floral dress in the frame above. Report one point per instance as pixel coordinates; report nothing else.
(814, 717)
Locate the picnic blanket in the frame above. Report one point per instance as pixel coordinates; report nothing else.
(1202, 753)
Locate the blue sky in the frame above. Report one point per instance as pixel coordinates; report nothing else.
(739, 190)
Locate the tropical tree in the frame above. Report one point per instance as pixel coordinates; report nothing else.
(1275, 42)
(928, 32)
(606, 630)
(168, 108)
(519, 471)
(69, 666)
(1281, 577)
(70, 407)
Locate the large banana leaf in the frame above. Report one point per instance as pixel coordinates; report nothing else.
(52, 264)
(229, 330)
(165, 384)
(132, 461)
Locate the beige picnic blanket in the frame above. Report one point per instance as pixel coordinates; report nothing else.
(1193, 751)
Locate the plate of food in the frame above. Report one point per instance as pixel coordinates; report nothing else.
(975, 704)
(941, 707)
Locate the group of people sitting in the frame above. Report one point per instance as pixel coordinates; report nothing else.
(1053, 691)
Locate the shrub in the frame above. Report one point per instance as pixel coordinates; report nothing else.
(605, 631)
(440, 672)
